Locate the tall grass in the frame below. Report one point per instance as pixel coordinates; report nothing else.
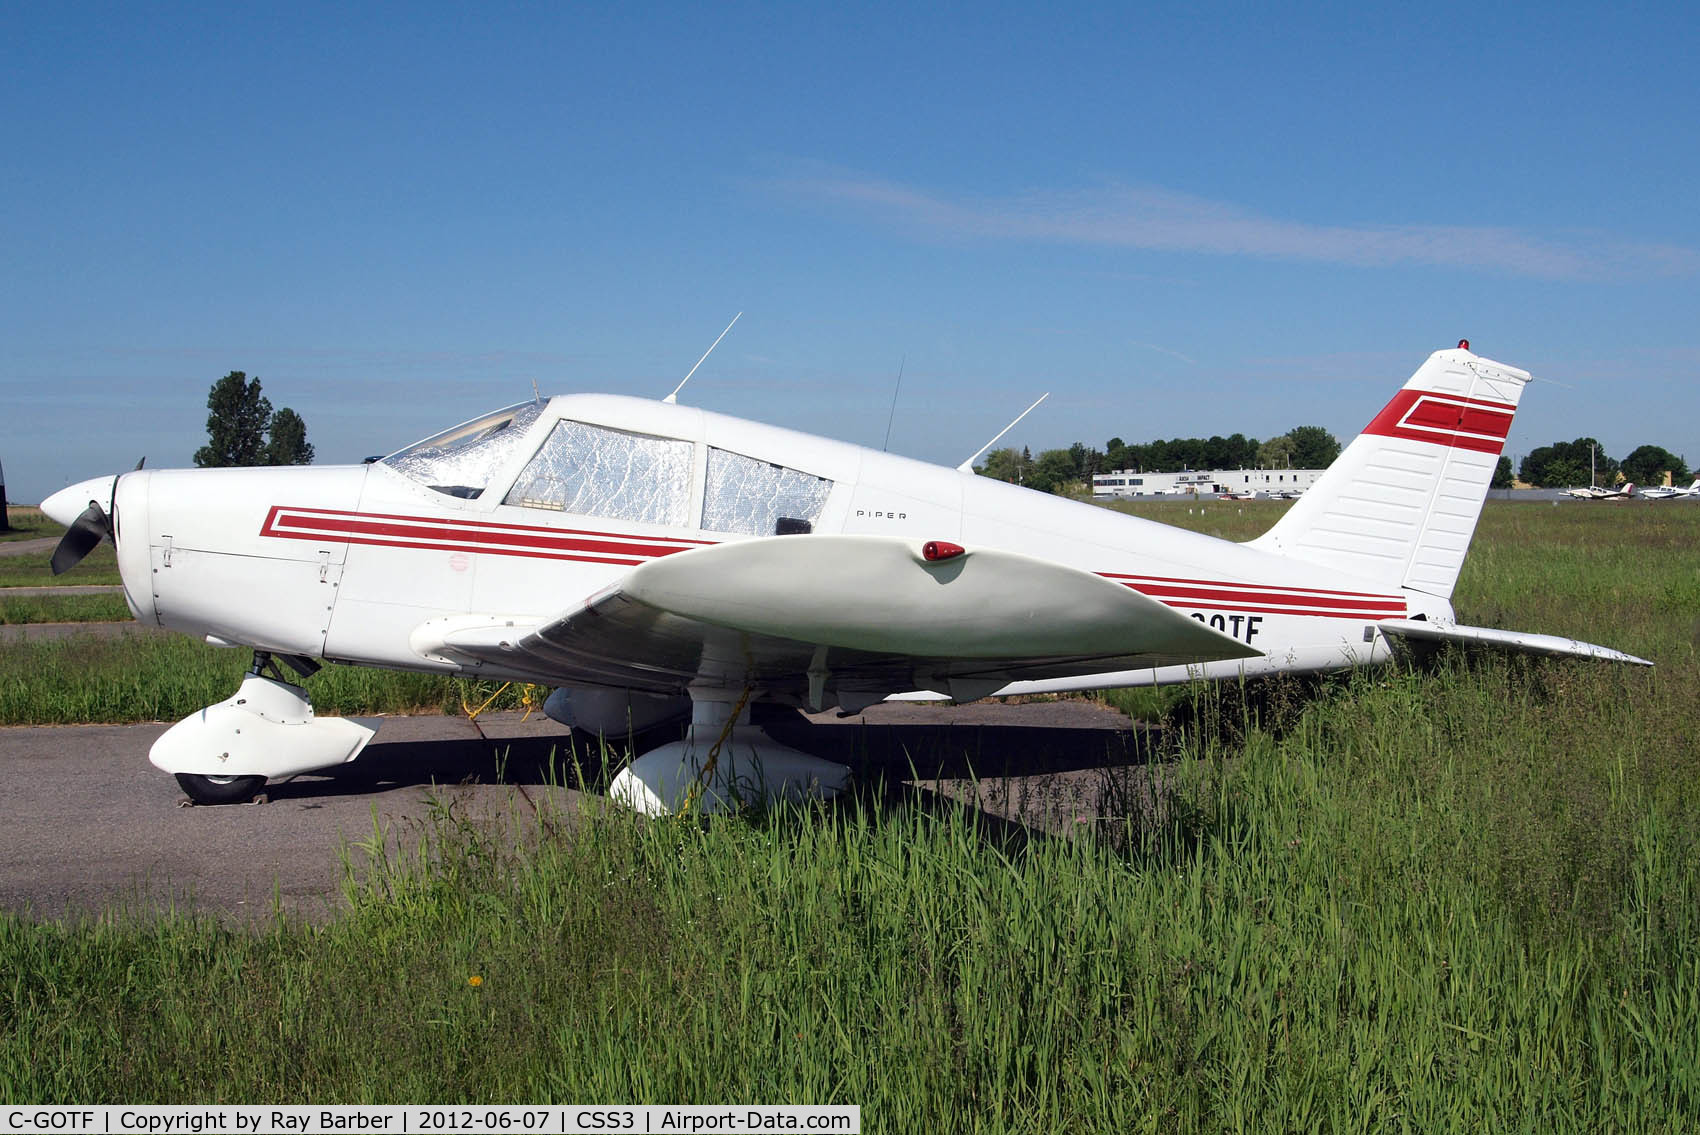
(1321, 932)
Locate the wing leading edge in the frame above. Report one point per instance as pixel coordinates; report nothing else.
(864, 616)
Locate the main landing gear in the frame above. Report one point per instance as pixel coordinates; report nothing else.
(723, 763)
(225, 753)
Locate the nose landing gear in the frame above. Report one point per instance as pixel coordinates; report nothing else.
(226, 753)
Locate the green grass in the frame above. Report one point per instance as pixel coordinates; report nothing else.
(160, 677)
(33, 569)
(27, 523)
(1458, 900)
(62, 609)
(1225, 520)
(1344, 929)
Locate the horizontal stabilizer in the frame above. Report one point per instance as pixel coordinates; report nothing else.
(1516, 642)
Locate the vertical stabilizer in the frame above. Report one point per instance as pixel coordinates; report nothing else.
(1400, 503)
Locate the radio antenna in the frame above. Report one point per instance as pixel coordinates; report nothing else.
(968, 465)
(674, 397)
(894, 391)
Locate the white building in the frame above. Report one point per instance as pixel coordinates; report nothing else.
(1207, 483)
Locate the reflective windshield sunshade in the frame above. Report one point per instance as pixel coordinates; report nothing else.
(601, 472)
(746, 495)
(459, 461)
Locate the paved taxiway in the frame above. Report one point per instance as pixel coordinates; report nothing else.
(89, 825)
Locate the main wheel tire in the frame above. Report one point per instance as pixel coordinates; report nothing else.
(220, 789)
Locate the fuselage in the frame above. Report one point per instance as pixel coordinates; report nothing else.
(527, 516)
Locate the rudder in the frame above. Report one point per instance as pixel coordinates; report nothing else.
(1399, 505)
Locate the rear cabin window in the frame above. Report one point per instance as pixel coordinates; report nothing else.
(459, 462)
(760, 498)
(594, 471)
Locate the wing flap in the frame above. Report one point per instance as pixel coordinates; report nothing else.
(1517, 642)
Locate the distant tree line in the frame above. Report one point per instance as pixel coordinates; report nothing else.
(1056, 470)
(1563, 464)
(1568, 464)
(243, 430)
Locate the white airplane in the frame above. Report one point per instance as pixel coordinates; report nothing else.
(650, 559)
(1597, 493)
(1670, 492)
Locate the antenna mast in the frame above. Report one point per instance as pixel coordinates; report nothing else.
(674, 397)
(894, 392)
(968, 465)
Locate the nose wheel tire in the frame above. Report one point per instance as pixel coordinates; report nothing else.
(220, 789)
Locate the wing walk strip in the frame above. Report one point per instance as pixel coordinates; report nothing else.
(583, 546)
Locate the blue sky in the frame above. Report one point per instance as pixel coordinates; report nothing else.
(1214, 219)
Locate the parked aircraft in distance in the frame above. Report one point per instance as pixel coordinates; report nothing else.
(651, 560)
(1596, 493)
(1671, 492)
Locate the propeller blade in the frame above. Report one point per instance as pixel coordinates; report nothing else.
(80, 539)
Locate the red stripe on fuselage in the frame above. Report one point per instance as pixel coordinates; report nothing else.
(1262, 597)
(470, 536)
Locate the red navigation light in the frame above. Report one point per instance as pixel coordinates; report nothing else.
(935, 550)
(1463, 344)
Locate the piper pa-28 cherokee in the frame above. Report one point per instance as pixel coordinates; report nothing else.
(1596, 493)
(1671, 492)
(649, 560)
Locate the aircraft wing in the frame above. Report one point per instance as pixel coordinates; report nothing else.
(1517, 642)
(865, 615)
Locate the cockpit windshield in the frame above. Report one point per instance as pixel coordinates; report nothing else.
(459, 461)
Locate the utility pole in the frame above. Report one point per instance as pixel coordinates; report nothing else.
(5, 524)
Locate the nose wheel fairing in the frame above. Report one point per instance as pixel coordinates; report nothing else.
(267, 730)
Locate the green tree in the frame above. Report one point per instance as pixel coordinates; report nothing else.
(1087, 460)
(288, 444)
(1003, 465)
(236, 425)
(1053, 472)
(1648, 465)
(1276, 453)
(240, 421)
(1313, 447)
(1502, 478)
(1568, 463)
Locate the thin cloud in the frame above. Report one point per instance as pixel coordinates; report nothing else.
(1160, 220)
(1167, 351)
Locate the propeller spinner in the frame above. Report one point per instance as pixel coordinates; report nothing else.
(88, 528)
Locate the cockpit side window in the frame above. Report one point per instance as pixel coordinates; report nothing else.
(459, 462)
(759, 497)
(596, 471)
